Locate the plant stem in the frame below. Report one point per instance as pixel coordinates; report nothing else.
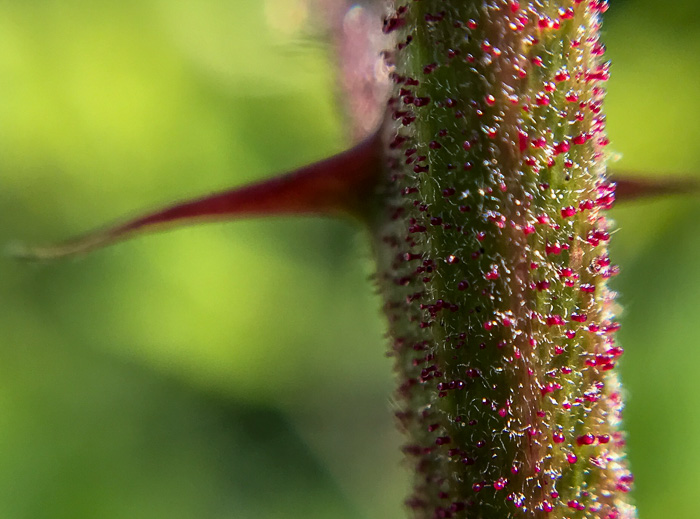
(492, 250)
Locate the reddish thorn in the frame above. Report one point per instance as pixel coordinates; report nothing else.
(630, 187)
(338, 186)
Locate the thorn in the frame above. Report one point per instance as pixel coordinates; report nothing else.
(341, 185)
(629, 186)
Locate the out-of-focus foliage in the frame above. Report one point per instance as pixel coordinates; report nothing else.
(238, 370)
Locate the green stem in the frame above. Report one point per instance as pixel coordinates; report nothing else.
(492, 248)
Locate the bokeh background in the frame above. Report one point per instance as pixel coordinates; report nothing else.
(238, 370)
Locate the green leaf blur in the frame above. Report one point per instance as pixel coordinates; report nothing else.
(238, 370)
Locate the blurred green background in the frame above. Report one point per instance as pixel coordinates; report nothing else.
(238, 370)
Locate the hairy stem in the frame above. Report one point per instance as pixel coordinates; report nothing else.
(492, 246)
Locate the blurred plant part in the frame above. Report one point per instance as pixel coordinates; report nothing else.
(286, 16)
(355, 33)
